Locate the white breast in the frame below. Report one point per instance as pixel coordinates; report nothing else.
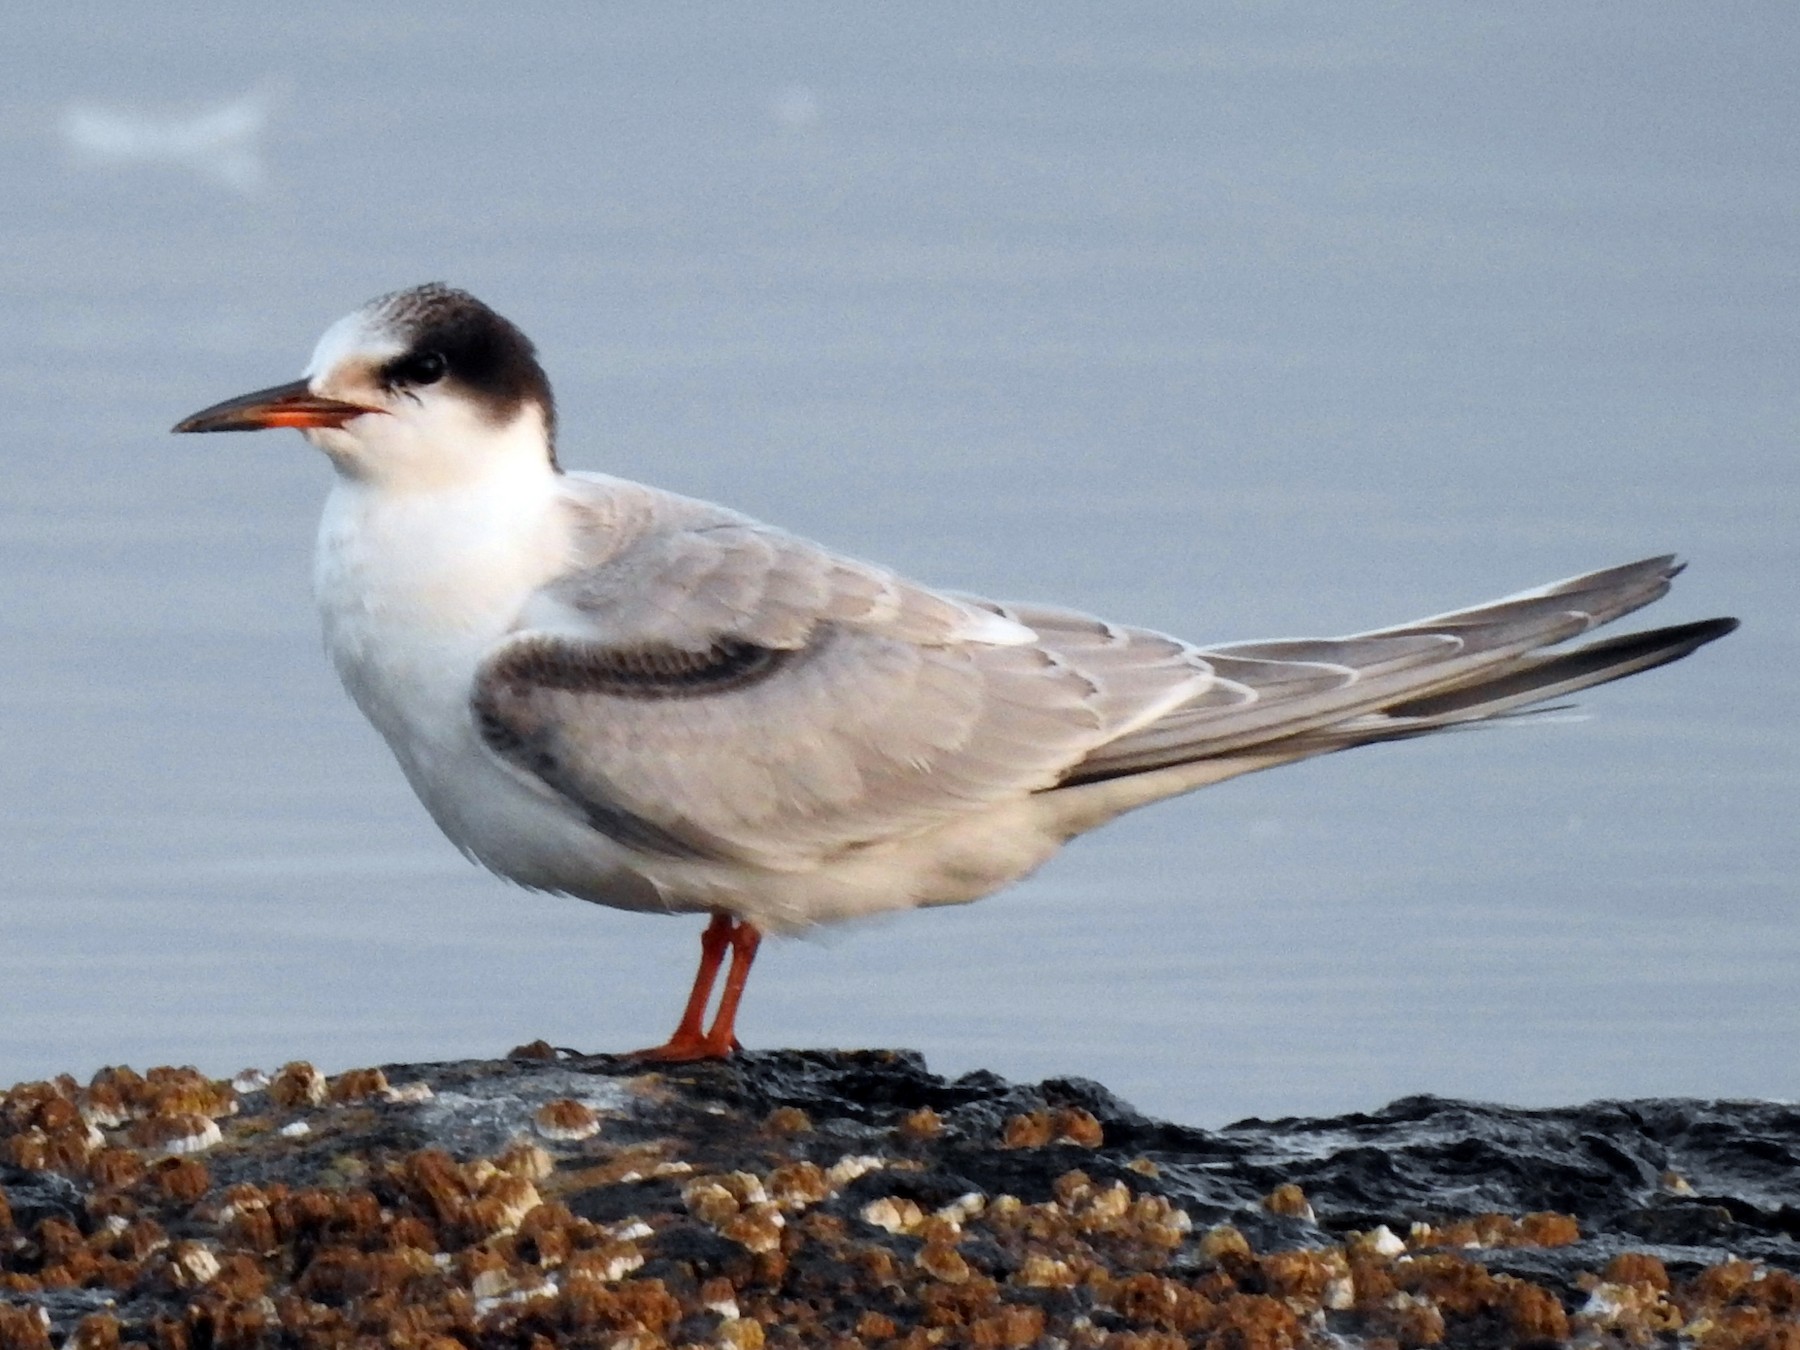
(413, 588)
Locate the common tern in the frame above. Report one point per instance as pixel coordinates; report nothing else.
(648, 701)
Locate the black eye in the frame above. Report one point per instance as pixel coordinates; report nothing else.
(421, 368)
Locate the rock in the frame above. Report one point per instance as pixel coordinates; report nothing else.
(800, 1198)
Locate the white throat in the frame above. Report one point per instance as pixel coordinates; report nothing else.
(416, 576)
(435, 443)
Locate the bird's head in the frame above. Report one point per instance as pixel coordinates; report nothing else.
(422, 386)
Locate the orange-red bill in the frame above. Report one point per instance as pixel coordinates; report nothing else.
(285, 405)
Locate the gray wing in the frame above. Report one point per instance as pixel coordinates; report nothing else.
(733, 692)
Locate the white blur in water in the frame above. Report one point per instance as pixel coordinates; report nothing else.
(795, 106)
(222, 143)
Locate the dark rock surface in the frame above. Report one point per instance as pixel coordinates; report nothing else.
(1612, 1165)
(809, 1198)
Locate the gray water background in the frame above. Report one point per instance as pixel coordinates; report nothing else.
(1239, 321)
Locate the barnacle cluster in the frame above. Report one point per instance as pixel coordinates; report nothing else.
(178, 1212)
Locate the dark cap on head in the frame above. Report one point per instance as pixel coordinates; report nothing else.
(452, 336)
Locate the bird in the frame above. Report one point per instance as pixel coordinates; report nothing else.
(609, 691)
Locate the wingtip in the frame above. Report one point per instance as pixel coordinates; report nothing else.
(1677, 641)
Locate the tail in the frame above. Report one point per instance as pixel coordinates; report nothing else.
(1275, 702)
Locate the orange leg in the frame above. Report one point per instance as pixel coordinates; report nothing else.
(722, 1039)
(690, 1042)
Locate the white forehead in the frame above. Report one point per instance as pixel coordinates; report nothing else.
(368, 335)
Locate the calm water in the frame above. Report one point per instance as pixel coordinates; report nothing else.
(1237, 321)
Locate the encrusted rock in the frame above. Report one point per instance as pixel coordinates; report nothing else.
(793, 1200)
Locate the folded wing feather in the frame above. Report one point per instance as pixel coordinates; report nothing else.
(739, 693)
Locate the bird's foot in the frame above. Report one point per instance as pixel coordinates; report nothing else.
(679, 1049)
